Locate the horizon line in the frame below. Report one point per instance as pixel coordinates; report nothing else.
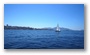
(44, 27)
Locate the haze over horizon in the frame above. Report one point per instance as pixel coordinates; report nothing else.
(45, 15)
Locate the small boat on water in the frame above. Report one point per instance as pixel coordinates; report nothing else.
(57, 28)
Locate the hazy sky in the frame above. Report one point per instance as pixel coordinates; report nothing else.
(45, 15)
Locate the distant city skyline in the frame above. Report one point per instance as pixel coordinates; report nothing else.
(45, 15)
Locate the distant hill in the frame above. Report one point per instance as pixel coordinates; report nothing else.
(17, 28)
(30, 28)
(63, 29)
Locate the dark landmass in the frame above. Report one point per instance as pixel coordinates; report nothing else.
(23, 28)
(30, 28)
(17, 27)
(7, 27)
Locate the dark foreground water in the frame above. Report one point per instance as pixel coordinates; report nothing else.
(43, 39)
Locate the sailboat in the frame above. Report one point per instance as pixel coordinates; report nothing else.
(57, 28)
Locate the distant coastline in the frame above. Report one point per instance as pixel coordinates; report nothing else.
(8, 27)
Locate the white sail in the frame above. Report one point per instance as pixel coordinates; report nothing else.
(57, 28)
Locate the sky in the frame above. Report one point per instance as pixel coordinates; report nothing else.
(45, 15)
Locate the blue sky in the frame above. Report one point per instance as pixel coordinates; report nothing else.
(45, 15)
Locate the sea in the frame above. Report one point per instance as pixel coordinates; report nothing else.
(43, 39)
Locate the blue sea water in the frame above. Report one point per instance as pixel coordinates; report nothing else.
(43, 39)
